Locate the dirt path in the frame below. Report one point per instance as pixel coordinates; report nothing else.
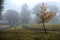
(3, 26)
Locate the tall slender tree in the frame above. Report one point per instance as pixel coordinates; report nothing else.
(44, 15)
(25, 14)
(1, 7)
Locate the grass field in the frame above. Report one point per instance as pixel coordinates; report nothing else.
(18, 33)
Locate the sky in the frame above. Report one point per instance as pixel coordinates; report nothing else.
(16, 4)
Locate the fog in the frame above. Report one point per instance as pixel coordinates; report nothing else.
(24, 12)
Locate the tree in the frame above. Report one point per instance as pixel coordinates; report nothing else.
(56, 20)
(37, 8)
(44, 15)
(25, 14)
(54, 8)
(13, 17)
(1, 7)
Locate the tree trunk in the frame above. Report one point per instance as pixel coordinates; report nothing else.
(0, 16)
(44, 26)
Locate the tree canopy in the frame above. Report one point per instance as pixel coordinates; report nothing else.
(44, 14)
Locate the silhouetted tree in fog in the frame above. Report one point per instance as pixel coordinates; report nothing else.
(54, 8)
(25, 14)
(1, 7)
(13, 17)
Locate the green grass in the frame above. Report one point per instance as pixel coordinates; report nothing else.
(18, 33)
(52, 27)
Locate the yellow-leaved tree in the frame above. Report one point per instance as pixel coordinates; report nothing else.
(44, 15)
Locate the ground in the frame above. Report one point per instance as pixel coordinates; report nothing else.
(18, 33)
(3, 26)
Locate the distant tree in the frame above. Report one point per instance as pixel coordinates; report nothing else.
(54, 8)
(44, 15)
(1, 7)
(13, 17)
(25, 14)
(37, 8)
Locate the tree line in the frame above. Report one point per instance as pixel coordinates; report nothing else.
(25, 15)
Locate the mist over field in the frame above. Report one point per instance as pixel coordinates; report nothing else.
(17, 6)
(29, 19)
